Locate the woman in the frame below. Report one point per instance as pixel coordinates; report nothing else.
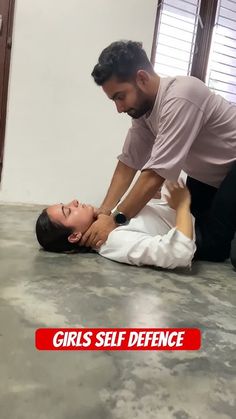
(163, 234)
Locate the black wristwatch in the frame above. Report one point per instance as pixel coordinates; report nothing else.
(120, 218)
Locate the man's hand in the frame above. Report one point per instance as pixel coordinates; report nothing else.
(102, 210)
(179, 195)
(98, 232)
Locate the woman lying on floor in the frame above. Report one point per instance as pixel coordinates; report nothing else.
(163, 234)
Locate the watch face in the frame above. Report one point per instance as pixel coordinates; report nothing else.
(120, 218)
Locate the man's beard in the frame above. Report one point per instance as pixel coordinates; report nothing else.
(145, 105)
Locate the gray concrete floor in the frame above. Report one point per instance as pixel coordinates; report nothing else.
(38, 289)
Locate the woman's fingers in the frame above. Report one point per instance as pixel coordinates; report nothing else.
(182, 184)
(171, 186)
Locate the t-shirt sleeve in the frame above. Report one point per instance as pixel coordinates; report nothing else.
(169, 251)
(179, 124)
(138, 145)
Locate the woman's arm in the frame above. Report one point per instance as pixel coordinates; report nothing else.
(184, 221)
(170, 251)
(179, 199)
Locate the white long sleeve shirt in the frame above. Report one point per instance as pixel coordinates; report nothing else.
(150, 238)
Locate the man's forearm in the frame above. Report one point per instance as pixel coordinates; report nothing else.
(184, 221)
(143, 190)
(120, 183)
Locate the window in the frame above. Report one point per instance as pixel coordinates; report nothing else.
(176, 37)
(221, 71)
(197, 37)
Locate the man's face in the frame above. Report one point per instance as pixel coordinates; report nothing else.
(74, 215)
(128, 97)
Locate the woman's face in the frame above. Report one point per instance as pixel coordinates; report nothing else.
(74, 215)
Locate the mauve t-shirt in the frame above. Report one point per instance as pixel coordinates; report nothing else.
(190, 128)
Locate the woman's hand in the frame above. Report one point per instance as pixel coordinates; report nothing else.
(179, 195)
(180, 200)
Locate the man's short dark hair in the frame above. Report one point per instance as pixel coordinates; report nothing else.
(121, 59)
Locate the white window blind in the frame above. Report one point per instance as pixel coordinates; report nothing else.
(176, 37)
(221, 73)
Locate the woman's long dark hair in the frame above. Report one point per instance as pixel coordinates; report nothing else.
(53, 237)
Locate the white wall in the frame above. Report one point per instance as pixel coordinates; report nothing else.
(62, 133)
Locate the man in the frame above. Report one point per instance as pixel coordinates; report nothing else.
(178, 123)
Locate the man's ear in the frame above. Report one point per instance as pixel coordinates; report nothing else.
(142, 78)
(74, 237)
